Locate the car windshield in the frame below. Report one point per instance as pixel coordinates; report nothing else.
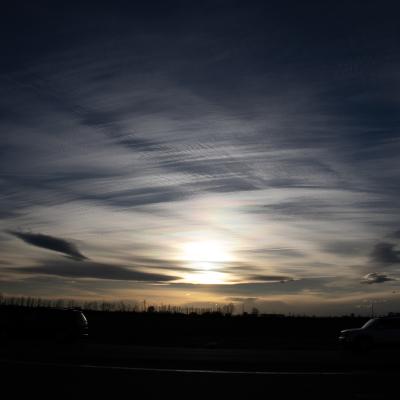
(369, 323)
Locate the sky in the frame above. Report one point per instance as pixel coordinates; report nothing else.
(198, 153)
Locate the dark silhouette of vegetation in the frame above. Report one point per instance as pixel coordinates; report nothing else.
(121, 306)
(166, 325)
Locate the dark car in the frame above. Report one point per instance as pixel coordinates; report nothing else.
(383, 331)
(44, 323)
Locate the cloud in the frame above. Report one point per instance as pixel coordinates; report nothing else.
(375, 277)
(320, 285)
(344, 248)
(385, 253)
(50, 243)
(4, 214)
(243, 299)
(93, 270)
(396, 234)
(273, 252)
(159, 263)
(270, 278)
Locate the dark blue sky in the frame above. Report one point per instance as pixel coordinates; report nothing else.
(201, 151)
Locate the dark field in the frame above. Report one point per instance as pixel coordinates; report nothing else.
(216, 330)
(213, 330)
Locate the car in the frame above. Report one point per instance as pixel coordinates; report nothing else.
(44, 323)
(383, 331)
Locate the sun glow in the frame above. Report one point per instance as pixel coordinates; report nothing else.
(206, 257)
(206, 278)
(206, 252)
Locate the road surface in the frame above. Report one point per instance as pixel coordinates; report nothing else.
(97, 370)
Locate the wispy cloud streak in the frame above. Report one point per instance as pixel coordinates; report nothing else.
(50, 243)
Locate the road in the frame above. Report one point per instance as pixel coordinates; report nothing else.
(97, 369)
(304, 360)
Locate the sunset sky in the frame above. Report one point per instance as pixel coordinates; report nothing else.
(196, 152)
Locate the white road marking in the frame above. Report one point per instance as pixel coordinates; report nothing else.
(184, 371)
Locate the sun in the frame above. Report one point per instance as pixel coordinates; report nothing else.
(206, 258)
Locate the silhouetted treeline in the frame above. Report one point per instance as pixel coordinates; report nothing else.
(137, 324)
(121, 306)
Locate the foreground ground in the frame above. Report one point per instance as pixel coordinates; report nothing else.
(98, 369)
